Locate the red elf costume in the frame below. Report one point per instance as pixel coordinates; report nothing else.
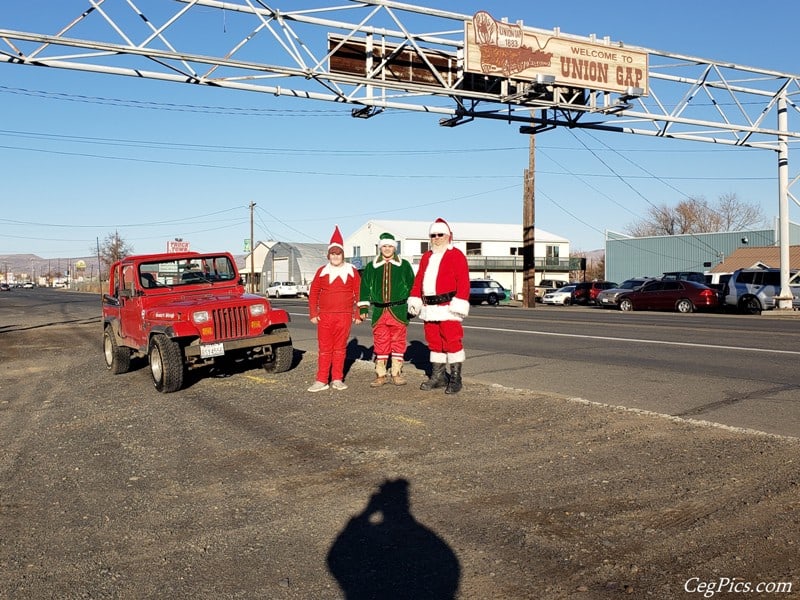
(440, 296)
(332, 305)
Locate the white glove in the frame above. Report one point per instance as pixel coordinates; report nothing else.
(414, 306)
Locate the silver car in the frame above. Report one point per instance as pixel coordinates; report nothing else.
(608, 298)
(562, 296)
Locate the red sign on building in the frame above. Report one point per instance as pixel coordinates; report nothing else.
(177, 246)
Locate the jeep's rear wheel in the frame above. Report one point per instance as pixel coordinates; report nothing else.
(118, 358)
(166, 364)
(284, 355)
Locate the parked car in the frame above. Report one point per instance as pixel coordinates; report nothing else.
(282, 289)
(608, 298)
(586, 292)
(546, 286)
(695, 276)
(794, 285)
(28, 285)
(4, 287)
(562, 295)
(486, 290)
(680, 295)
(719, 282)
(753, 290)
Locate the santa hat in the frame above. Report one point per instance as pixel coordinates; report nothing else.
(440, 226)
(387, 239)
(336, 240)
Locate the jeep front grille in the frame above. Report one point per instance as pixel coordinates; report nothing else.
(230, 323)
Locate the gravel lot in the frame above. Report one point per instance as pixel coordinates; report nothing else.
(245, 486)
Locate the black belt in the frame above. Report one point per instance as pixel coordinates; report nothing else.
(439, 299)
(388, 304)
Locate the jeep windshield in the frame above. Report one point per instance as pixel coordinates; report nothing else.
(186, 271)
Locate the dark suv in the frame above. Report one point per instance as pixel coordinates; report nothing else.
(486, 290)
(586, 292)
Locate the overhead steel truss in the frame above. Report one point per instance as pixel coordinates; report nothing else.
(413, 59)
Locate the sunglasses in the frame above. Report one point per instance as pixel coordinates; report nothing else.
(433, 235)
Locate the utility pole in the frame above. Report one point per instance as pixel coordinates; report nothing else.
(528, 228)
(252, 252)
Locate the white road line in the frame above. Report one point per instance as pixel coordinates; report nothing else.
(619, 339)
(634, 340)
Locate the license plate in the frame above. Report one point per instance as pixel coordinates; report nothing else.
(211, 350)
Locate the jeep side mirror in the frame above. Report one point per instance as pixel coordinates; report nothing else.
(108, 298)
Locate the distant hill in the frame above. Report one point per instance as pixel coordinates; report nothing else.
(23, 266)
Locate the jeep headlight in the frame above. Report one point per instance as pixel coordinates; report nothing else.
(201, 316)
(257, 310)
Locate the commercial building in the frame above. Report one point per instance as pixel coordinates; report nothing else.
(493, 250)
(628, 257)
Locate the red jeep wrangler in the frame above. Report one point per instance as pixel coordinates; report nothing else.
(184, 310)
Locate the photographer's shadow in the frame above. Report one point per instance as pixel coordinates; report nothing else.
(385, 554)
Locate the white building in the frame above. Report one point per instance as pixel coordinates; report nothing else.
(493, 250)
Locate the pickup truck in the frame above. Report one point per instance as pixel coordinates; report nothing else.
(547, 286)
(188, 310)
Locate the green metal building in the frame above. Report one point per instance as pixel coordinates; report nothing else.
(628, 257)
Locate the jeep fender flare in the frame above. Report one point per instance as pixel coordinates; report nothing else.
(166, 330)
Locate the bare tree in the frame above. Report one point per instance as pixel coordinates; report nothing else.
(696, 215)
(595, 267)
(112, 249)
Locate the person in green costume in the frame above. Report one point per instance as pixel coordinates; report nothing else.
(385, 285)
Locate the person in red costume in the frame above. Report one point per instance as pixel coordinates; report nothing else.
(440, 296)
(333, 308)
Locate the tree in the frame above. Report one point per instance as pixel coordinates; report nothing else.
(696, 215)
(112, 249)
(595, 266)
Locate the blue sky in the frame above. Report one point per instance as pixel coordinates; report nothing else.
(85, 155)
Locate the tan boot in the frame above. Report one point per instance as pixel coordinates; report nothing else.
(380, 372)
(397, 373)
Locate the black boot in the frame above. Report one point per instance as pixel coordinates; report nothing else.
(437, 379)
(454, 386)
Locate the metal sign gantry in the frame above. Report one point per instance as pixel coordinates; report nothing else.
(379, 54)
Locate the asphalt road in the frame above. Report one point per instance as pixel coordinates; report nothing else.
(737, 370)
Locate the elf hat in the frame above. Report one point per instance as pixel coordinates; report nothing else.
(440, 226)
(387, 239)
(336, 240)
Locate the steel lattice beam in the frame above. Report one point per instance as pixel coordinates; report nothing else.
(289, 52)
(286, 52)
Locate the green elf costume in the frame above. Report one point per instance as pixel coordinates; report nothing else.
(385, 285)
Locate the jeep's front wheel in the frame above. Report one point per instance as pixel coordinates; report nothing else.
(118, 358)
(282, 362)
(166, 364)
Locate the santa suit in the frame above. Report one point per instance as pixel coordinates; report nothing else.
(440, 295)
(332, 298)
